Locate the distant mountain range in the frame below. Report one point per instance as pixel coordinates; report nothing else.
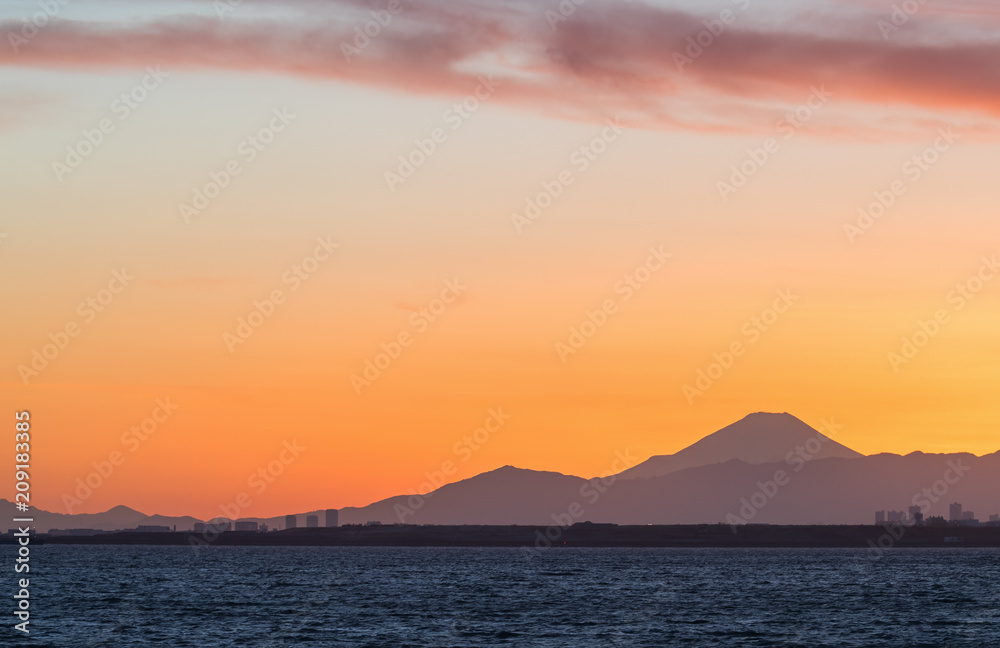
(765, 468)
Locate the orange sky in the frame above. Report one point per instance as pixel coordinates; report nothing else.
(343, 265)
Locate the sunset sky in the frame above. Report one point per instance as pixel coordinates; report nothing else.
(625, 124)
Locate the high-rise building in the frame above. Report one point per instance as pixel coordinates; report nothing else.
(879, 517)
(312, 521)
(331, 518)
(955, 512)
(290, 522)
(246, 525)
(995, 518)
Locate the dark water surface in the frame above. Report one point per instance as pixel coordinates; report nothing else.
(429, 597)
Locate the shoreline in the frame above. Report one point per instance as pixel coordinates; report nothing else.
(596, 535)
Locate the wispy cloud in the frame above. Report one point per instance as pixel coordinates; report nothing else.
(606, 58)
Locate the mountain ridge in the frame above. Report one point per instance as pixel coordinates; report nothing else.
(702, 483)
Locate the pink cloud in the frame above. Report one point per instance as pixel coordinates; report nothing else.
(619, 59)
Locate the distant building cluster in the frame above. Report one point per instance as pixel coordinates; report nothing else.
(957, 516)
(312, 521)
(225, 526)
(216, 526)
(913, 517)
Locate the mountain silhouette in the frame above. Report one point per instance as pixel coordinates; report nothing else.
(834, 490)
(765, 468)
(506, 495)
(755, 439)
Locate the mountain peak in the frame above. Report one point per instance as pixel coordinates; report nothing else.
(122, 509)
(769, 417)
(761, 437)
